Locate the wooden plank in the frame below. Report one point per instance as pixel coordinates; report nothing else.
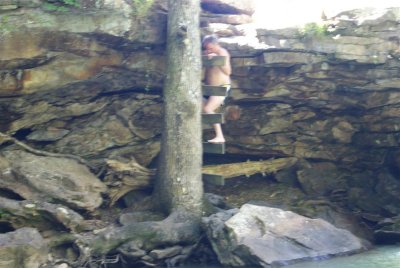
(214, 61)
(140, 177)
(213, 90)
(214, 148)
(213, 118)
(214, 179)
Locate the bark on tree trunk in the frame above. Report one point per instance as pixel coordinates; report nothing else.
(178, 187)
(178, 184)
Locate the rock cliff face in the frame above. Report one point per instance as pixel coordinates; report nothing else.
(88, 82)
(330, 99)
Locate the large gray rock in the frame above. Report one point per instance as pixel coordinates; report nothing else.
(264, 236)
(24, 248)
(52, 179)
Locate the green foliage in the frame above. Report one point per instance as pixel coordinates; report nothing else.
(60, 5)
(140, 8)
(313, 30)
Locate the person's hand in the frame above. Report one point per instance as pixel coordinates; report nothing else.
(211, 55)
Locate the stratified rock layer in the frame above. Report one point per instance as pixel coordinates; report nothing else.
(88, 82)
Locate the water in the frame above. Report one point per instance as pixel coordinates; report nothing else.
(379, 257)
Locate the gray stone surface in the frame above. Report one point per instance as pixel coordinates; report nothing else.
(264, 236)
(51, 179)
(23, 248)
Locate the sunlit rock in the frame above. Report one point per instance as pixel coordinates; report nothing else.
(264, 236)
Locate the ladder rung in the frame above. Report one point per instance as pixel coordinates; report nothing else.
(214, 148)
(213, 118)
(214, 61)
(213, 90)
(214, 179)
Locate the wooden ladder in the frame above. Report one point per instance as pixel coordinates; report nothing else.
(213, 119)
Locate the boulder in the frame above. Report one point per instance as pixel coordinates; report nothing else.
(264, 236)
(52, 179)
(23, 248)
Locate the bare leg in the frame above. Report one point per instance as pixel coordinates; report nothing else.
(213, 103)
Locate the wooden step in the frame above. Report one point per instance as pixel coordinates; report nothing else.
(214, 148)
(214, 61)
(213, 90)
(214, 179)
(213, 118)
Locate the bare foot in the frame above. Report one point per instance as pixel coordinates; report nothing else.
(217, 140)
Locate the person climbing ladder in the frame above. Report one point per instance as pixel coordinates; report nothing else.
(216, 76)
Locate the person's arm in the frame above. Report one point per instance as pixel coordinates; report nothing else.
(226, 69)
(209, 55)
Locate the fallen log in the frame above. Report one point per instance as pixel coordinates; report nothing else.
(123, 177)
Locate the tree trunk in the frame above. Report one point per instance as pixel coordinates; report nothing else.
(178, 187)
(178, 184)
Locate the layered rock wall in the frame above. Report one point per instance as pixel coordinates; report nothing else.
(88, 82)
(330, 99)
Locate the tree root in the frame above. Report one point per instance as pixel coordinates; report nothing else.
(180, 228)
(123, 177)
(39, 214)
(4, 138)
